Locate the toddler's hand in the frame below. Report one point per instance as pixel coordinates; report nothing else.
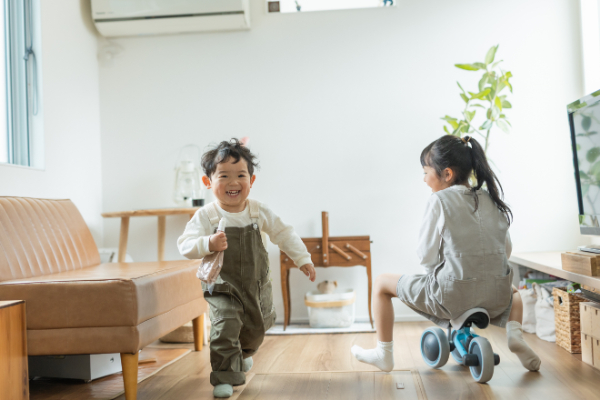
(217, 242)
(309, 270)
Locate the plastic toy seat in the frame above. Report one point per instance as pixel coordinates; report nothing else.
(477, 316)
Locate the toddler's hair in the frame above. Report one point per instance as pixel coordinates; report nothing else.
(226, 149)
(455, 153)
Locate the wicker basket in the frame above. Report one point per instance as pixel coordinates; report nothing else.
(566, 319)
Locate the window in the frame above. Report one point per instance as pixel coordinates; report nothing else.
(19, 89)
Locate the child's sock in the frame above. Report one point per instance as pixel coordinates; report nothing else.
(381, 356)
(247, 364)
(517, 345)
(223, 390)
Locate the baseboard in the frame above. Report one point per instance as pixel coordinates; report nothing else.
(413, 317)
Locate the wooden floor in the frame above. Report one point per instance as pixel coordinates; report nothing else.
(562, 376)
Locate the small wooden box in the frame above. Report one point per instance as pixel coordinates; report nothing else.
(581, 263)
(566, 320)
(596, 352)
(585, 318)
(587, 352)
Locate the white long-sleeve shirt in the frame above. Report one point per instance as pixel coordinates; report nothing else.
(430, 235)
(193, 243)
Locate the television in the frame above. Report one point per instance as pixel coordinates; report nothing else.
(584, 121)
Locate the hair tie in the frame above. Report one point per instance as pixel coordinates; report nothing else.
(466, 139)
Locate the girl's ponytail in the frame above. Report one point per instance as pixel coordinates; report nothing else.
(455, 153)
(484, 174)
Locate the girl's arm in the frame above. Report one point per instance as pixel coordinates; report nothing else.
(430, 235)
(194, 243)
(284, 236)
(508, 245)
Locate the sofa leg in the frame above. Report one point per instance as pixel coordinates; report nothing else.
(198, 324)
(129, 362)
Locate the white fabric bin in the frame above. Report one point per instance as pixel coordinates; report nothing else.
(335, 310)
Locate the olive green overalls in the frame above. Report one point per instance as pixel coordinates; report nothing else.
(241, 305)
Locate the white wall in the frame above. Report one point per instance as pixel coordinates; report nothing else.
(71, 116)
(338, 106)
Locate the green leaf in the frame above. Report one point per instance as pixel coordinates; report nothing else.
(496, 64)
(461, 88)
(508, 75)
(502, 125)
(470, 115)
(495, 112)
(464, 97)
(498, 103)
(489, 57)
(583, 175)
(592, 154)
(454, 124)
(481, 94)
(468, 67)
(506, 104)
(483, 81)
(586, 122)
(478, 105)
(480, 65)
(486, 125)
(578, 147)
(446, 130)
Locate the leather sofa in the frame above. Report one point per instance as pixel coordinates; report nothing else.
(75, 304)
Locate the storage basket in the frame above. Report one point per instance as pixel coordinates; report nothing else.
(566, 319)
(335, 310)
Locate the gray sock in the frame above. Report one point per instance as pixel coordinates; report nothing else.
(223, 390)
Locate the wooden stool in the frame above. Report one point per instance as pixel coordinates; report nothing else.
(345, 251)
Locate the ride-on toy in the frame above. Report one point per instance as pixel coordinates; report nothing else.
(466, 347)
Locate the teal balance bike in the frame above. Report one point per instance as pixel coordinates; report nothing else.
(466, 347)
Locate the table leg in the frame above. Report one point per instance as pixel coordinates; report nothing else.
(370, 286)
(285, 291)
(123, 238)
(162, 223)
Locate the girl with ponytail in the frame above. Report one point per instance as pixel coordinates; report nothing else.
(464, 246)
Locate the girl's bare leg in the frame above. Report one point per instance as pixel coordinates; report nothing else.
(514, 333)
(381, 356)
(384, 291)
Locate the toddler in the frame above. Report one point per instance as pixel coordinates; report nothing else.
(241, 304)
(464, 247)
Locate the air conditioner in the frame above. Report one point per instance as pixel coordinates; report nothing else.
(158, 17)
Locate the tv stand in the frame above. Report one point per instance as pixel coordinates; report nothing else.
(551, 263)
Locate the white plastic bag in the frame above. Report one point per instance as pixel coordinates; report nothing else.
(210, 268)
(544, 314)
(529, 299)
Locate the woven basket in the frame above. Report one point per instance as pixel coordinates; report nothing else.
(566, 319)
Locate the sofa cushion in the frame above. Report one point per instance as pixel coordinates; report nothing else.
(105, 295)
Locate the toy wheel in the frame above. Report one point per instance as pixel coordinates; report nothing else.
(435, 348)
(480, 347)
(455, 353)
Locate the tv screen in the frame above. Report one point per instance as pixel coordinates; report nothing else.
(584, 120)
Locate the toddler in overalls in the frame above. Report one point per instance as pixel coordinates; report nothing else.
(241, 303)
(464, 247)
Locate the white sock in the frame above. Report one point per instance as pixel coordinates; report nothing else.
(516, 344)
(381, 356)
(223, 390)
(247, 364)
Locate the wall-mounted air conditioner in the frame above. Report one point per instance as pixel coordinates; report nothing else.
(157, 17)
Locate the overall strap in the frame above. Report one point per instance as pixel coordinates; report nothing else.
(254, 210)
(213, 216)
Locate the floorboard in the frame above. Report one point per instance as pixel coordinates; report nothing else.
(307, 359)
